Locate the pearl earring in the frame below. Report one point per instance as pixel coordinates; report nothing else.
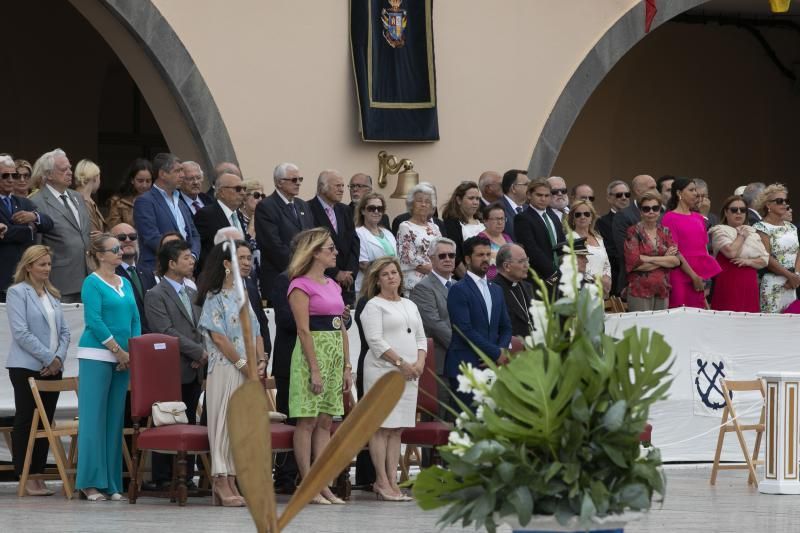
(227, 272)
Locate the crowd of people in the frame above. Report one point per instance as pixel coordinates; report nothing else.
(155, 259)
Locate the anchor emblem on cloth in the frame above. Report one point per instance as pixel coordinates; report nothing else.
(710, 384)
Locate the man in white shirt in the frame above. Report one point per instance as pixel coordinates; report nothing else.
(223, 213)
(191, 185)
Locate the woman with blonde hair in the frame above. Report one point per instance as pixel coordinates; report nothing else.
(87, 181)
(39, 340)
(320, 368)
(778, 285)
(581, 220)
(396, 337)
(22, 187)
(254, 192)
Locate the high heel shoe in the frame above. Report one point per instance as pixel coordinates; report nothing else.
(334, 499)
(383, 496)
(319, 499)
(225, 501)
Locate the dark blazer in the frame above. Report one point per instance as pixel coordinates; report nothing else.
(205, 199)
(68, 239)
(153, 219)
(518, 301)
(384, 219)
(17, 238)
(619, 230)
(510, 214)
(362, 355)
(347, 242)
(468, 317)
(399, 219)
(531, 234)
(604, 226)
(752, 216)
(453, 231)
(148, 282)
(258, 309)
(430, 296)
(208, 221)
(285, 328)
(276, 225)
(167, 315)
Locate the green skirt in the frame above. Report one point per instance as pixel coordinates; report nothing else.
(330, 358)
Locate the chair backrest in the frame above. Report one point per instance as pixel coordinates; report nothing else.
(427, 399)
(49, 385)
(155, 372)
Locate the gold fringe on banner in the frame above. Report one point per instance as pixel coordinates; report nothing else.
(779, 6)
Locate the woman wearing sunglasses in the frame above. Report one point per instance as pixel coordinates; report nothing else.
(254, 194)
(740, 253)
(778, 285)
(650, 254)
(581, 221)
(111, 318)
(376, 241)
(688, 229)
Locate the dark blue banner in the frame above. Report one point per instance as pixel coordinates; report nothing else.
(393, 60)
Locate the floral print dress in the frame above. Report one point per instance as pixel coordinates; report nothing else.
(413, 242)
(783, 242)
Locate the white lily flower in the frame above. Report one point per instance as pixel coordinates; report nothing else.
(460, 442)
(479, 412)
(567, 283)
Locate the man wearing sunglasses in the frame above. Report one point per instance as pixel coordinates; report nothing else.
(279, 217)
(190, 187)
(626, 218)
(618, 195)
(231, 193)
(142, 280)
(361, 184)
(19, 223)
(69, 238)
(559, 199)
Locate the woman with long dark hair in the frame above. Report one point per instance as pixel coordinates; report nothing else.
(462, 218)
(688, 229)
(223, 337)
(138, 179)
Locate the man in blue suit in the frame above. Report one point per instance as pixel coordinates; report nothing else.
(161, 210)
(478, 314)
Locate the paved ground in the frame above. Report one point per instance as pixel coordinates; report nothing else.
(692, 506)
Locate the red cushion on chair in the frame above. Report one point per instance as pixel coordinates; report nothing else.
(177, 437)
(426, 434)
(647, 434)
(282, 436)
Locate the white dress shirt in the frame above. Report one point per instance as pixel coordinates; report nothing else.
(483, 286)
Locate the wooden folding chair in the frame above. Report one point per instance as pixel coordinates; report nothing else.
(6, 432)
(733, 425)
(53, 433)
(616, 305)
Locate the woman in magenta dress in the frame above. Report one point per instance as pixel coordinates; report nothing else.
(688, 230)
(740, 253)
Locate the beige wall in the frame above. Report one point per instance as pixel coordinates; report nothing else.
(699, 101)
(281, 75)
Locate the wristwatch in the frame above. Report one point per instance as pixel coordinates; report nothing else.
(115, 349)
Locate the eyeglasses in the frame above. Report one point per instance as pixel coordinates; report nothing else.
(122, 237)
(330, 248)
(579, 214)
(298, 179)
(649, 208)
(9, 175)
(237, 188)
(375, 209)
(740, 210)
(257, 195)
(354, 186)
(620, 195)
(777, 201)
(558, 191)
(587, 198)
(115, 250)
(448, 255)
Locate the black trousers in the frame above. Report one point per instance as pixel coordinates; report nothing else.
(23, 400)
(285, 466)
(162, 462)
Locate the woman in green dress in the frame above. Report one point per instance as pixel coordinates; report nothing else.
(320, 370)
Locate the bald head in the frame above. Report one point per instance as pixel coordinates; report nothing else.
(641, 184)
(130, 247)
(490, 185)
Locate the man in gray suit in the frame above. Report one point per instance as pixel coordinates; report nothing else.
(69, 238)
(170, 310)
(430, 295)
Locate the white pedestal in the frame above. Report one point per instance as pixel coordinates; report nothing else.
(781, 461)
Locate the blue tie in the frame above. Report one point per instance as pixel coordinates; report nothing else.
(7, 201)
(448, 284)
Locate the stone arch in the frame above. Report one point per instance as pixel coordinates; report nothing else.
(615, 43)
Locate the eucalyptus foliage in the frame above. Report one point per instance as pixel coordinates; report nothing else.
(556, 430)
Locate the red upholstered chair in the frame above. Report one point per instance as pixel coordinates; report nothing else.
(426, 434)
(281, 434)
(156, 377)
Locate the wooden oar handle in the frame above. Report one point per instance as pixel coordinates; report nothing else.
(249, 347)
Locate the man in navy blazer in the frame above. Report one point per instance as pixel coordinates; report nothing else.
(538, 229)
(515, 190)
(220, 213)
(161, 210)
(279, 217)
(478, 314)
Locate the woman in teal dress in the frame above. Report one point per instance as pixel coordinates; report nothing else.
(320, 370)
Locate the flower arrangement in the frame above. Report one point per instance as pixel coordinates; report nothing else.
(556, 430)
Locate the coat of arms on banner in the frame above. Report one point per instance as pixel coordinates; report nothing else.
(394, 24)
(707, 372)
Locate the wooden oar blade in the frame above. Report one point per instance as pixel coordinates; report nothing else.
(352, 435)
(251, 443)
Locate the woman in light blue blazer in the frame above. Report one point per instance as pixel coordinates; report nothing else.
(39, 341)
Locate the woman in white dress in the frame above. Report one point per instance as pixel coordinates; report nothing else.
(396, 338)
(376, 241)
(581, 220)
(414, 236)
